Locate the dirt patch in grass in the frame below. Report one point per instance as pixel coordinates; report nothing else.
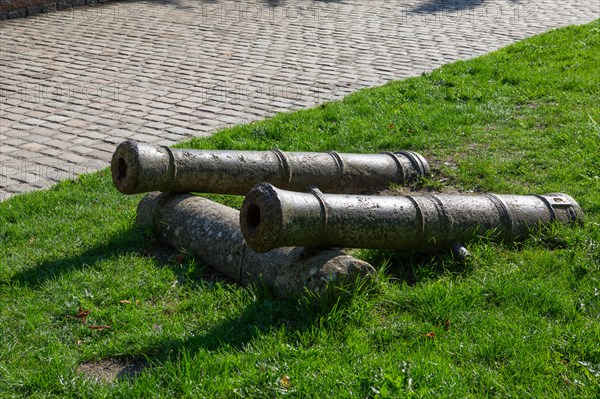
(111, 370)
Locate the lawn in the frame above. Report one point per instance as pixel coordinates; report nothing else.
(515, 320)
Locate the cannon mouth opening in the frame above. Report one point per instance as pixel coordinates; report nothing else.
(124, 167)
(253, 218)
(261, 218)
(121, 169)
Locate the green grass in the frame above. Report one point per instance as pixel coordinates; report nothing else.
(517, 320)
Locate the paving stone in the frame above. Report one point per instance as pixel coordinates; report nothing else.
(8, 149)
(81, 150)
(51, 151)
(35, 147)
(124, 133)
(104, 147)
(6, 182)
(37, 114)
(77, 123)
(181, 123)
(14, 189)
(32, 121)
(41, 184)
(156, 125)
(166, 143)
(50, 125)
(229, 120)
(46, 161)
(83, 141)
(57, 118)
(113, 140)
(58, 144)
(42, 131)
(180, 131)
(20, 126)
(65, 136)
(107, 122)
(12, 117)
(11, 101)
(155, 118)
(144, 138)
(37, 138)
(15, 142)
(72, 158)
(104, 156)
(92, 135)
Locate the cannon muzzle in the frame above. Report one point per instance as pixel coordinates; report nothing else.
(138, 168)
(211, 232)
(272, 218)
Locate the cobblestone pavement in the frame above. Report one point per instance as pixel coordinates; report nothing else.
(75, 83)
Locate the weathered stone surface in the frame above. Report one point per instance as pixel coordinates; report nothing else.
(271, 218)
(139, 168)
(211, 232)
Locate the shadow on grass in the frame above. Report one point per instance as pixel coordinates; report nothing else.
(133, 241)
(412, 268)
(129, 241)
(298, 315)
(268, 313)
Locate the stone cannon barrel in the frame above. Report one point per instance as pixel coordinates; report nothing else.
(138, 168)
(211, 232)
(272, 218)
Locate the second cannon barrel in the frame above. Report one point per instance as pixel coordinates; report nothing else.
(138, 168)
(272, 218)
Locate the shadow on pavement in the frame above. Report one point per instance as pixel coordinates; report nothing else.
(434, 6)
